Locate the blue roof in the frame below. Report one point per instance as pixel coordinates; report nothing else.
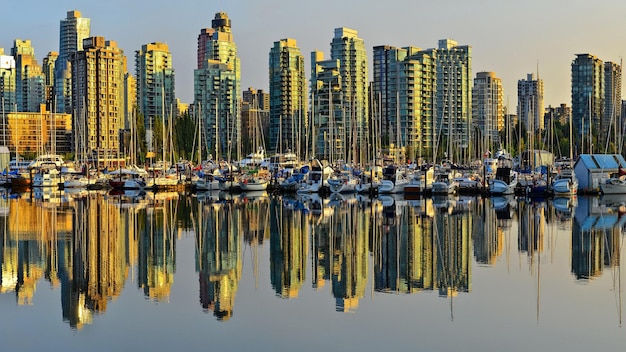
(602, 161)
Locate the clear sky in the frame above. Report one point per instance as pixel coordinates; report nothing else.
(511, 38)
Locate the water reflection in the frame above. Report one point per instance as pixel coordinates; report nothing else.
(90, 245)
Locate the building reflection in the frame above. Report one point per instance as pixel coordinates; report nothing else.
(30, 246)
(90, 245)
(497, 214)
(218, 256)
(596, 234)
(348, 254)
(403, 250)
(288, 250)
(156, 229)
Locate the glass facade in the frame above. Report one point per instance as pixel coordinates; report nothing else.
(288, 98)
(217, 87)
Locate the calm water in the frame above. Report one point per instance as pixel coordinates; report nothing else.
(93, 271)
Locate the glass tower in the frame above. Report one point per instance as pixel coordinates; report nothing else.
(155, 85)
(288, 93)
(341, 82)
(73, 29)
(587, 98)
(217, 88)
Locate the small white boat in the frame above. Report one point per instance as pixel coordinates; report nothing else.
(254, 183)
(443, 184)
(506, 179)
(343, 183)
(394, 180)
(614, 185)
(47, 178)
(565, 183)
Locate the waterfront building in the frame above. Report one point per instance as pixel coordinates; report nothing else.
(341, 82)
(453, 99)
(49, 63)
(611, 124)
(288, 98)
(155, 94)
(29, 78)
(98, 71)
(38, 132)
(255, 120)
(530, 108)
(403, 97)
(7, 83)
(72, 31)
(488, 109)
(587, 98)
(325, 103)
(217, 87)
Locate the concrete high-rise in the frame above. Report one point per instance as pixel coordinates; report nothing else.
(587, 98)
(453, 100)
(156, 97)
(488, 109)
(255, 112)
(72, 30)
(530, 108)
(403, 97)
(98, 98)
(611, 126)
(49, 63)
(29, 78)
(217, 87)
(288, 98)
(341, 82)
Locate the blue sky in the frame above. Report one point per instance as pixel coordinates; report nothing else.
(510, 38)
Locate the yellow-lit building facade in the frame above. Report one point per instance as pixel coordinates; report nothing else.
(37, 132)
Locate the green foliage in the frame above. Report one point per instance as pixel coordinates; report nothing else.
(157, 137)
(184, 132)
(141, 138)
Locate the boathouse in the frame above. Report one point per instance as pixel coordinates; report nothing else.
(593, 169)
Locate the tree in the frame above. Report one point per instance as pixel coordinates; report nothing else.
(185, 136)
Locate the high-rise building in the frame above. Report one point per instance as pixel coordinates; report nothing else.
(326, 100)
(217, 87)
(130, 99)
(73, 29)
(611, 125)
(288, 98)
(530, 108)
(49, 63)
(98, 98)
(402, 101)
(155, 85)
(587, 98)
(7, 83)
(345, 77)
(29, 78)
(488, 108)
(255, 120)
(453, 101)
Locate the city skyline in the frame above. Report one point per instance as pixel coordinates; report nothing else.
(510, 41)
